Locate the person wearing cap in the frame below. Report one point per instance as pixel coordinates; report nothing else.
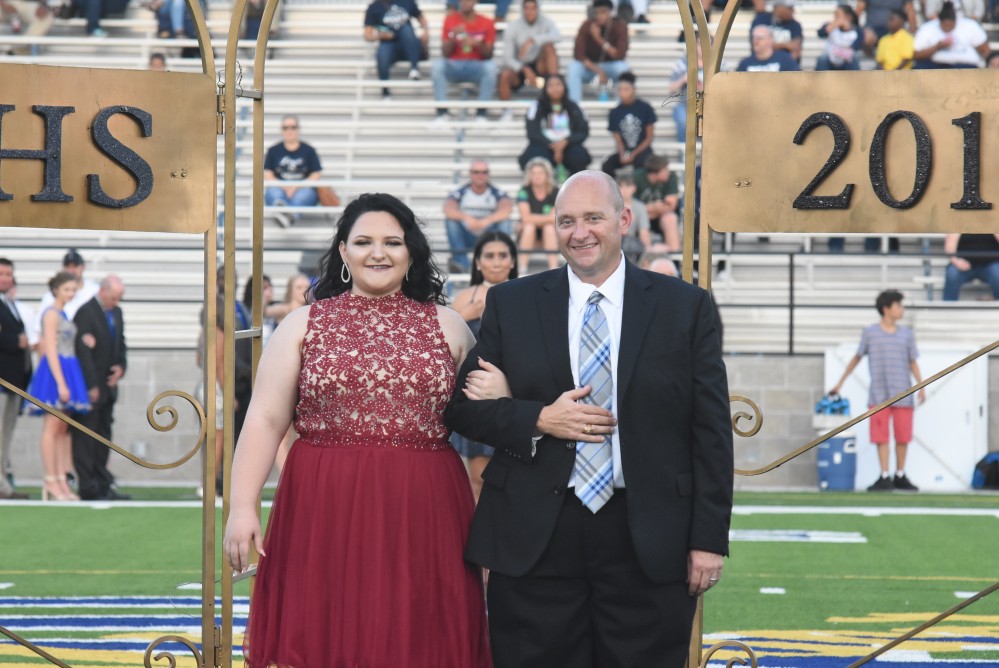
(72, 262)
(786, 31)
(601, 47)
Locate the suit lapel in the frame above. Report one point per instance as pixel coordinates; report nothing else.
(635, 317)
(553, 311)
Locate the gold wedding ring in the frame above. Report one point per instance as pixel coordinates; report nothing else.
(587, 429)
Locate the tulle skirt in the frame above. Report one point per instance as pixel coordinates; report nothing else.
(43, 387)
(364, 565)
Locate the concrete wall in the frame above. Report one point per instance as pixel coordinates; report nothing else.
(786, 389)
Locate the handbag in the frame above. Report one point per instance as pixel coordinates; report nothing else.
(327, 196)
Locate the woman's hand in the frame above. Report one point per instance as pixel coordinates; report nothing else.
(63, 393)
(243, 528)
(486, 382)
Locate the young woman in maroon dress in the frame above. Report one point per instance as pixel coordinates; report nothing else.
(362, 562)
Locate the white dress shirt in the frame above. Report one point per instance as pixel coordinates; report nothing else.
(612, 305)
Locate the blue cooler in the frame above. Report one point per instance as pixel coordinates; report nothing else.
(837, 462)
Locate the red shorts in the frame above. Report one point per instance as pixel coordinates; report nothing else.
(901, 416)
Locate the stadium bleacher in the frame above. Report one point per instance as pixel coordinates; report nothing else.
(321, 70)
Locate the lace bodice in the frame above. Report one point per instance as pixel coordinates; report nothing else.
(65, 335)
(375, 372)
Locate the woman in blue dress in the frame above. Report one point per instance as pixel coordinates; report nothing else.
(58, 383)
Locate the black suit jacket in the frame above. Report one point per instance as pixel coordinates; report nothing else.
(673, 422)
(15, 362)
(109, 350)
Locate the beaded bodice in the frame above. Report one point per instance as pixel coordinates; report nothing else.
(65, 335)
(375, 372)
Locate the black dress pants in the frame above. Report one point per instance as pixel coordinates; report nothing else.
(90, 457)
(587, 603)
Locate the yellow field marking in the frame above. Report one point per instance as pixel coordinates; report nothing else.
(834, 643)
(911, 617)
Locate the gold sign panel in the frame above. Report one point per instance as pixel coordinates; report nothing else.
(105, 149)
(854, 152)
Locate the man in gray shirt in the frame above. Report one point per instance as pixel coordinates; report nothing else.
(528, 51)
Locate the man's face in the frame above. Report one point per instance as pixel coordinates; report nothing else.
(478, 174)
(289, 129)
(75, 269)
(111, 296)
(588, 227)
(530, 12)
(660, 176)
(602, 16)
(6, 278)
(467, 6)
(763, 42)
(783, 13)
(895, 310)
(895, 22)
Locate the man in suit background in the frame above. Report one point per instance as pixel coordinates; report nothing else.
(100, 346)
(605, 510)
(15, 368)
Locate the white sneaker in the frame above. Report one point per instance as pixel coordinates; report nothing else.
(481, 119)
(414, 74)
(441, 119)
(282, 219)
(386, 98)
(507, 116)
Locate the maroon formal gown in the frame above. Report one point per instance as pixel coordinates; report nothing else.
(364, 543)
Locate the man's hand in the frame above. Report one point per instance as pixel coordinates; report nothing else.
(88, 340)
(476, 224)
(595, 33)
(921, 396)
(93, 394)
(625, 157)
(572, 421)
(22, 341)
(704, 569)
(960, 263)
(530, 76)
(116, 373)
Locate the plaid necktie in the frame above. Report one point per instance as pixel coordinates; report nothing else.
(594, 468)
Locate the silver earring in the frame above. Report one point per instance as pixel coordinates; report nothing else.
(407, 271)
(345, 273)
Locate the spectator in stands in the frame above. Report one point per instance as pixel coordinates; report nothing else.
(474, 208)
(895, 49)
(556, 130)
(639, 236)
(891, 354)
(992, 60)
(601, 47)
(970, 259)
(878, 11)
(678, 90)
(659, 190)
(291, 160)
(31, 18)
(950, 42)
(632, 11)
(661, 263)
(390, 23)
(764, 58)
(536, 202)
(971, 9)
(92, 10)
(528, 51)
(844, 41)
(632, 124)
(467, 45)
(157, 63)
(494, 261)
(785, 30)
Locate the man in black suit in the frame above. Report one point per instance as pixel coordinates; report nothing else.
(600, 522)
(100, 346)
(15, 368)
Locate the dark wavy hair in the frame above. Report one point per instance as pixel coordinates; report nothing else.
(425, 282)
(476, 277)
(545, 102)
